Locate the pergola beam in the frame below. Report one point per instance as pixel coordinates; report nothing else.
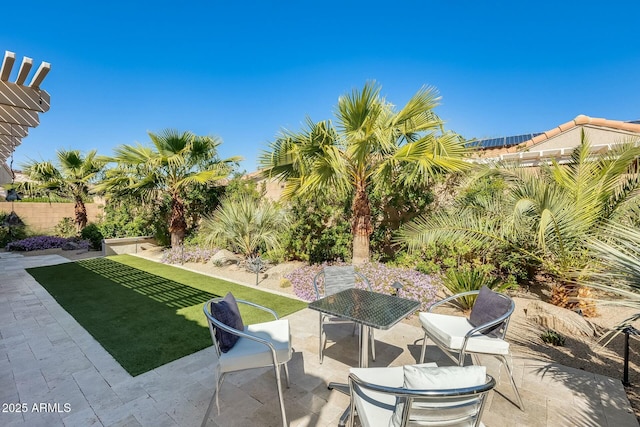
(19, 116)
(7, 65)
(40, 74)
(20, 103)
(25, 67)
(15, 95)
(11, 129)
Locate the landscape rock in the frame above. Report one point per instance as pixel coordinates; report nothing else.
(278, 271)
(70, 246)
(561, 320)
(224, 257)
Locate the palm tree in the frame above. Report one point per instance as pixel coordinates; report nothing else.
(174, 163)
(373, 145)
(245, 225)
(71, 177)
(547, 215)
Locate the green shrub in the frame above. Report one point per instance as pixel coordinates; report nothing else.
(321, 229)
(11, 233)
(92, 233)
(552, 337)
(458, 280)
(65, 228)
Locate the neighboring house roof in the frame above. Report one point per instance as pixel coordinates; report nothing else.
(557, 142)
(534, 138)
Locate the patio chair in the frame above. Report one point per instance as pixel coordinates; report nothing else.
(423, 395)
(336, 279)
(256, 346)
(482, 333)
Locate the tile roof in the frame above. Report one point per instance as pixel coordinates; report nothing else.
(536, 138)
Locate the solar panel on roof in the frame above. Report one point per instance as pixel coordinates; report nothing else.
(504, 141)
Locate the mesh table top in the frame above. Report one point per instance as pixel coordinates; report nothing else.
(373, 309)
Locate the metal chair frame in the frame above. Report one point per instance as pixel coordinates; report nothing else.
(462, 352)
(213, 324)
(325, 319)
(459, 397)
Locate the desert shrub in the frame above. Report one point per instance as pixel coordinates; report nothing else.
(65, 228)
(92, 233)
(416, 285)
(552, 337)
(182, 254)
(321, 229)
(10, 233)
(37, 243)
(126, 217)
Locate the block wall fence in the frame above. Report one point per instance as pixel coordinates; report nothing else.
(43, 217)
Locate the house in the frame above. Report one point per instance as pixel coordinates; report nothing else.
(556, 143)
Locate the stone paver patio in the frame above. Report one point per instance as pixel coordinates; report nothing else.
(47, 357)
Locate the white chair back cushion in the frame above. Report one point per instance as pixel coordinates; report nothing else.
(376, 409)
(461, 411)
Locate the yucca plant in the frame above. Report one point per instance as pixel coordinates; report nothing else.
(458, 280)
(245, 225)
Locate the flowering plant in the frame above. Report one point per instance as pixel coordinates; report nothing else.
(37, 243)
(415, 285)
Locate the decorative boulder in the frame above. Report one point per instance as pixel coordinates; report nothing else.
(70, 246)
(224, 257)
(562, 320)
(278, 271)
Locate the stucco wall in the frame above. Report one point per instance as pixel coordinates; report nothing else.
(5, 174)
(43, 217)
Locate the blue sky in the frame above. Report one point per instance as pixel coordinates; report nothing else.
(243, 71)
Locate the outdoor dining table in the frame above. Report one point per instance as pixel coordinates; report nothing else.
(369, 310)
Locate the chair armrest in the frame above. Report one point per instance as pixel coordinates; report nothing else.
(364, 279)
(315, 283)
(215, 322)
(489, 325)
(406, 392)
(452, 298)
(263, 308)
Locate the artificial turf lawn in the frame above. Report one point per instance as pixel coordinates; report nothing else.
(146, 314)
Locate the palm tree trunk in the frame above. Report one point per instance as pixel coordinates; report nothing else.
(361, 227)
(81, 214)
(177, 224)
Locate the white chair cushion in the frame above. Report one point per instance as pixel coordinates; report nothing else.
(457, 412)
(248, 354)
(450, 331)
(377, 408)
